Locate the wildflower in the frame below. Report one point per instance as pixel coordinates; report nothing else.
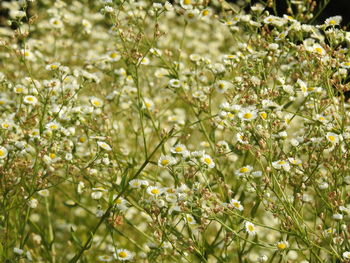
(105, 258)
(337, 216)
(29, 99)
(6, 125)
(242, 138)
(104, 146)
(114, 56)
(135, 183)
(222, 86)
(345, 64)
(333, 21)
(250, 228)
(244, 170)
(18, 251)
(52, 126)
(166, 160)
(346, 255)
(144, 61)
(53, 66)
(236, 204)
(174, 83)
(154, 191)
(178, 149)
(332, 137)
(97, 192)
(247, 114)
(282, 245)
(44, 192)
(207, 160)
(56, 22)
(3, 152)
(20, 89)
(317, 48)
(96, 102)
(186, 4)
(191, 14)
(190, 219)
(123, 255)
(281, 164)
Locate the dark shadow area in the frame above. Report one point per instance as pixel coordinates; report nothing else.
(335, 7)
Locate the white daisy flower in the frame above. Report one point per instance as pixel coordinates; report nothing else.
(135, 183)
(123, 255)
(222, 86)
(96, 102)
(52, 126)
(44, 192)
(3, 152)
(346, 255)
(332, 137)
(333, 21)
(186, 4)
(174, 83)
(154, 190)
(236, 204)
(190, 219)
(250, 228)
(56, 22)
(178, 149)
(282, 245)
(207, 160)
(247, 114)
(31, 100)
(105, 258)
(244, 170)
(345, 64)
(166, 160)
(281, 164)
(104, 146)
(242, 138)
(113, 56)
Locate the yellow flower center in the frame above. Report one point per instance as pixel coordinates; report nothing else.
(52, 155)
(263, 115)
(122, 254)
(187, 2)
(319, 50)
(190, 15)
(244, 170)
(165, 162)
(6, 125)
(155, 191)
(207, 160)
(205, 12)
(2, 153)
(247, 115)
(251, 228)
(114, 55)
(281, 246)
(96, 103)
(331, 138)
(178, 149)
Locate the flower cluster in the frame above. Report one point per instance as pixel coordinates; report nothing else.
(190, 130)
